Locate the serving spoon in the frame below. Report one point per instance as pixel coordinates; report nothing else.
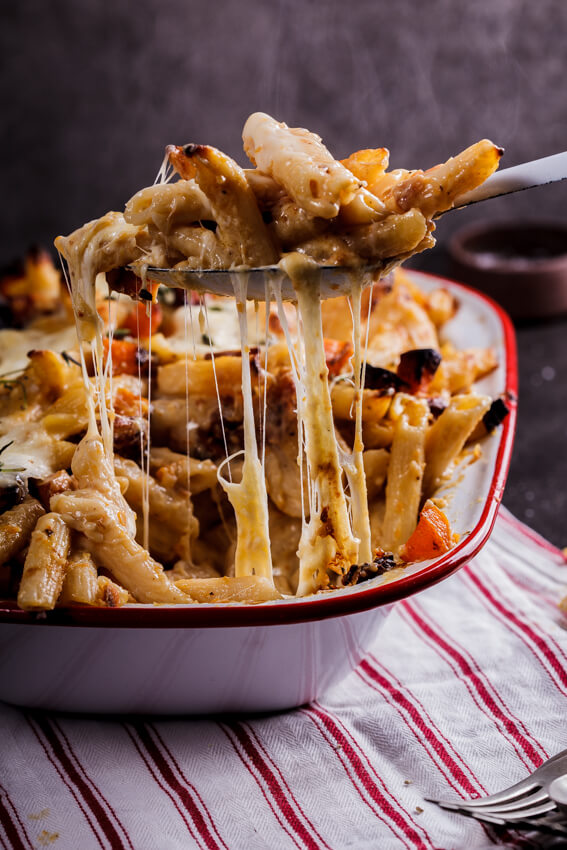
(338, 280)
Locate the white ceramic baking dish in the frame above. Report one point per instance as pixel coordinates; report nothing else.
(203, 659)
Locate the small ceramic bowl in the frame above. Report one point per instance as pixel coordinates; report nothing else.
(521, 265)
(205, 659)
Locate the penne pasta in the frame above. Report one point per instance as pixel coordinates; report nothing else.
(405, 473)
(448, 435)
(115, 550)
(16, 526)
(80, 586)
(250, 589)
(300, 163)
(375, 403)
(45, 565)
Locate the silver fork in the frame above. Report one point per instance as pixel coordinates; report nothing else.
(538, 802)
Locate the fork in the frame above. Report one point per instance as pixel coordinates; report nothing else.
(538, 802)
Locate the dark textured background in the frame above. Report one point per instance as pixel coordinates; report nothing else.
(91, 91)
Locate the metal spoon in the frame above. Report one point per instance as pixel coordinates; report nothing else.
(337, 280)
(332, 280)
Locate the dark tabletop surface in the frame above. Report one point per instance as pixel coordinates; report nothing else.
(536, 491)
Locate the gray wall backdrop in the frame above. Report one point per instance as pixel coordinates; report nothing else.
(91, 91)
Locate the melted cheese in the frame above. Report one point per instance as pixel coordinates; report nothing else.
(353, 464)
(166, 222)
(249, 498)
(219, 330)
(14, 345)
(99, 246)
(33, 452)
(327, 541)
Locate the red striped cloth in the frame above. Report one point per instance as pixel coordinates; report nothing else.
(463, 693)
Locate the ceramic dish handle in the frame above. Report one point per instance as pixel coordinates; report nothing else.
(550, 169)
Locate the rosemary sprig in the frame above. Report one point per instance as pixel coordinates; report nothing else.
(68, 359)
(11, 372)
(10, 383)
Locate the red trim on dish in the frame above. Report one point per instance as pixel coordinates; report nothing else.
(336, 603)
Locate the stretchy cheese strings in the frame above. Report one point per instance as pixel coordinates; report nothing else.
(141, 410)
(187, 419)
(146, 485)
(165, 173)
(353, 464)
(87, 384)
(109, 371)
(203, 306)
(249, 498)
(298, 383)
(267, 296)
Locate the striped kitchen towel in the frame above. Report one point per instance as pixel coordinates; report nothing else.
(464, 692)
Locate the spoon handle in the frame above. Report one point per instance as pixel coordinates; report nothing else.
(550, 169)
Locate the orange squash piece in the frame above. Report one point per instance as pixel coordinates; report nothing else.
(124, 356)
(432, 536)
(337, 354)
(143, 318)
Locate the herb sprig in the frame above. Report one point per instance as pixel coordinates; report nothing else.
(10, 383)
(7, 468)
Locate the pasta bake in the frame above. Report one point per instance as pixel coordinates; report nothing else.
(169, 446)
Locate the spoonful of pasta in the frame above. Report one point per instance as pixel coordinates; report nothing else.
(217, 226)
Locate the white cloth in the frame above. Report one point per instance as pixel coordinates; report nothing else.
(464, 692)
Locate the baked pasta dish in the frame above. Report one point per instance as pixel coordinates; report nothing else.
(169, 445)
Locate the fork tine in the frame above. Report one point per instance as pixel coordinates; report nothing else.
(526, 814)
(519, 804)
(549, 821)
(545, 824)
(510, 817)
(514, 792)
(523, 805)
